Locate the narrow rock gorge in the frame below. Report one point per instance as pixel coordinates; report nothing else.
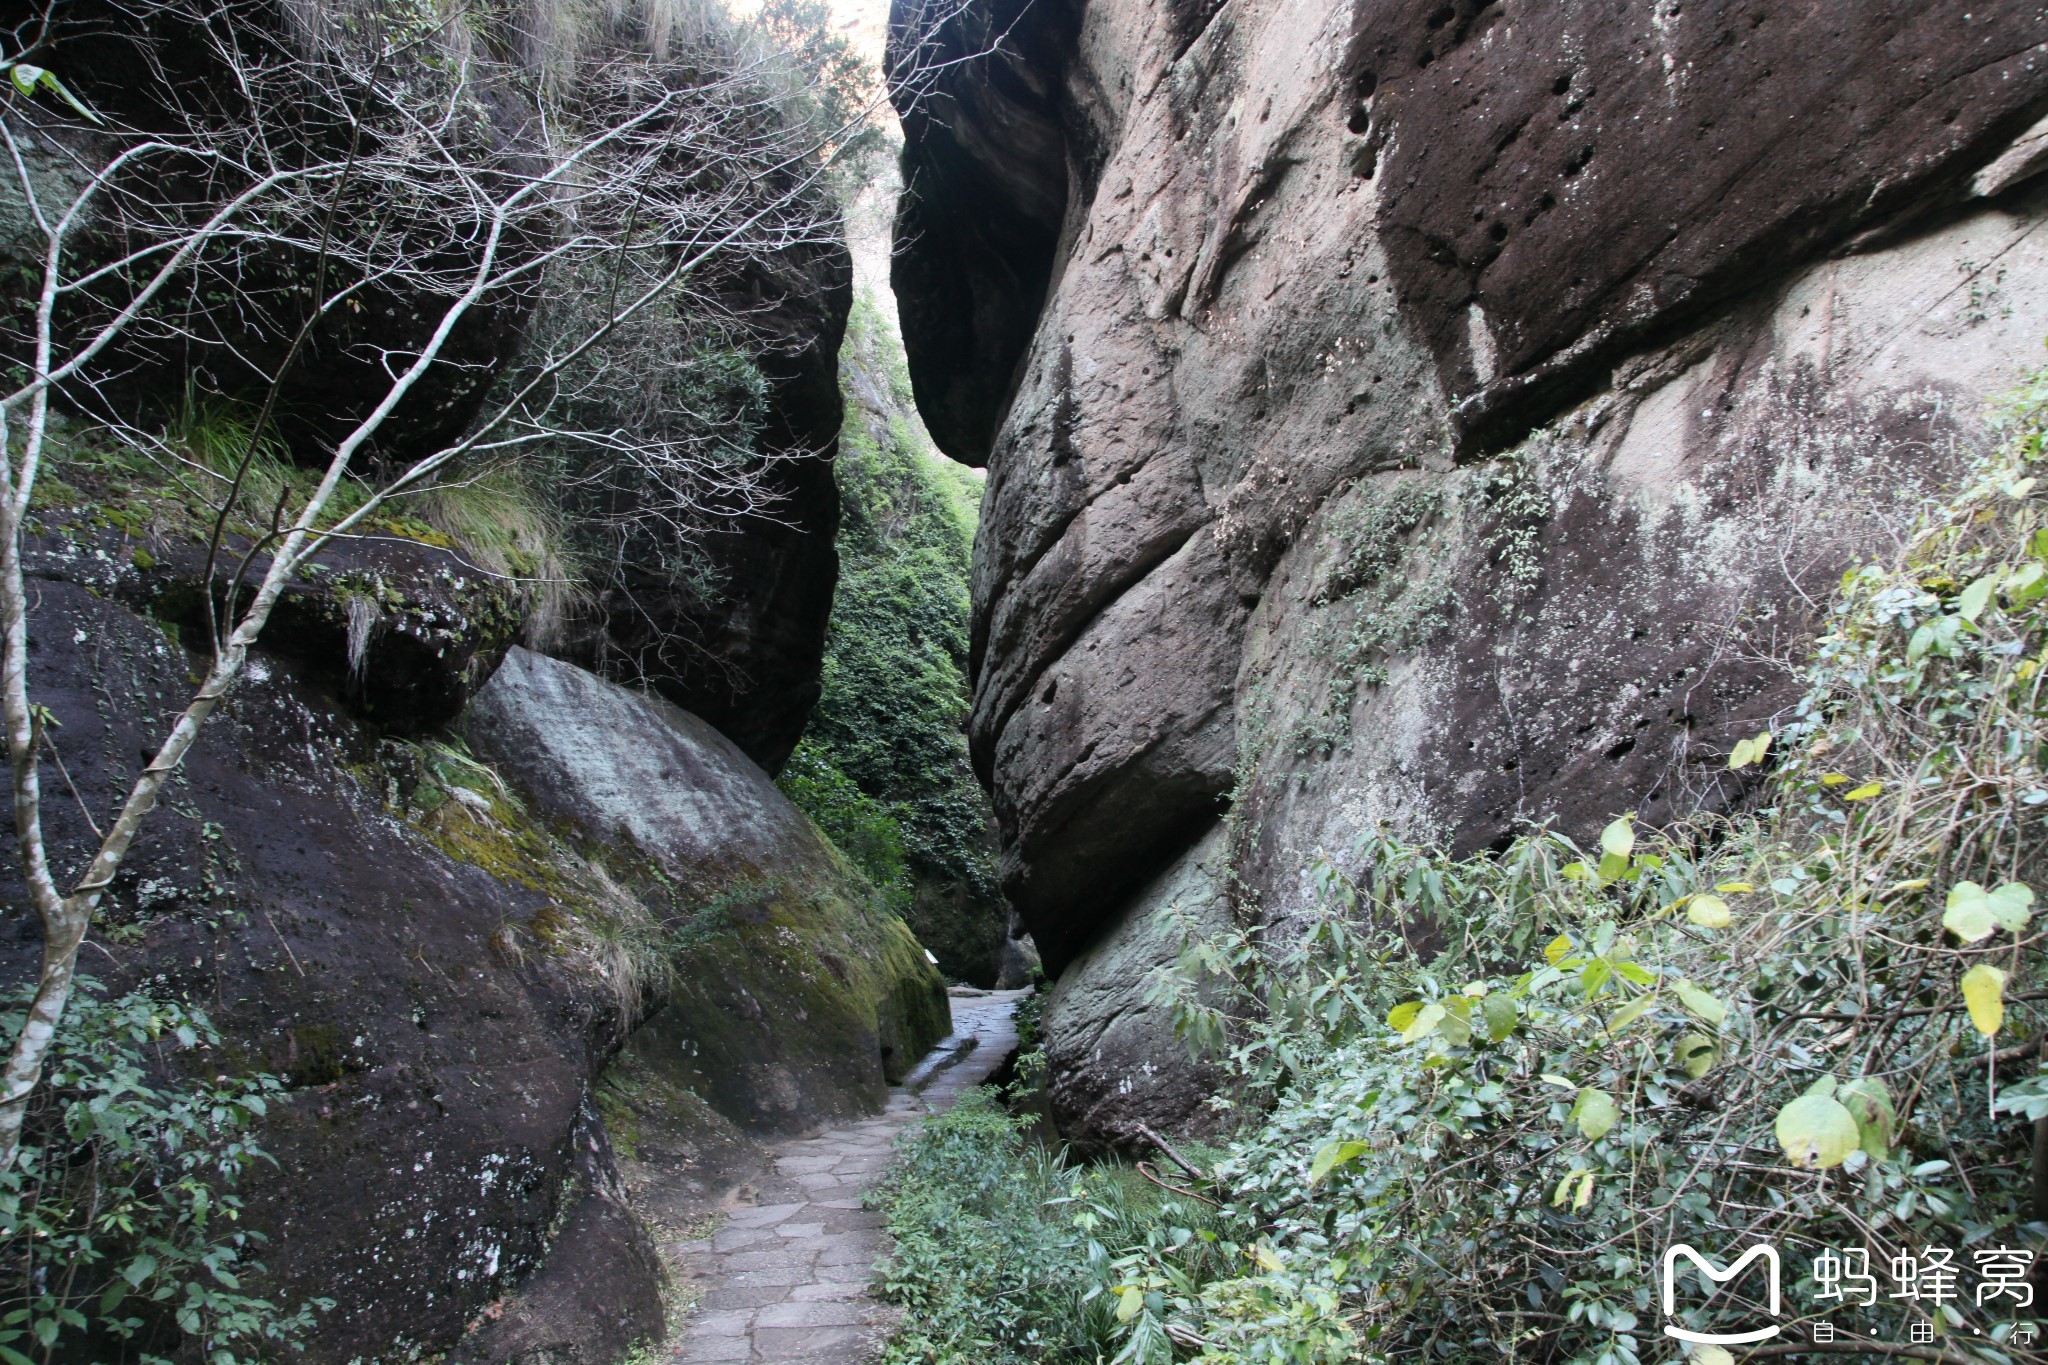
(481, 864)
(1432, 417)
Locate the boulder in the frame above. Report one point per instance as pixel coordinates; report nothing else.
(1113, 1058)
(440, 971)
(434, 1082)
(796, 996)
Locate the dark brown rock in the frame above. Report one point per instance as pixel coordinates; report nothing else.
(341, 950)
(1380, 459)
(1588, 175)
(746, 655)
(440, 974)
(985, 164)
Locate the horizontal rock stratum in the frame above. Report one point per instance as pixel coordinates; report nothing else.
(1432, 415)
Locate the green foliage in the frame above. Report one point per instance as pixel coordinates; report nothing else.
(1765, 1028)
(828, 87)
(119, 1226)
(883, 767)
(1482, 1095)
(863, 828)
(1003, 1254)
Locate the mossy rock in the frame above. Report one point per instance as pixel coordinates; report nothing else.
(761, 969)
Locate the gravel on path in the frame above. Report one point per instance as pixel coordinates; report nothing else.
(786, 1275)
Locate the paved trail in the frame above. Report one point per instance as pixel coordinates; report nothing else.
(788, 1271)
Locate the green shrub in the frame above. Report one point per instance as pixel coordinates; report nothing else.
(1772, 1027)
(120, 1228)
(1816, 1024)
(1003, 1254)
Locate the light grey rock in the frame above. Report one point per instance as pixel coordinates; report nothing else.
(791, 994)
(1114, 1060)
(628, 767)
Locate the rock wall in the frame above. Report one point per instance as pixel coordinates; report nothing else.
(1435, 414)
(441, 949)
(743, 653)
(1112, 1055)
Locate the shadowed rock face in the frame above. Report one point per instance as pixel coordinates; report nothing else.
(1111, 1050)
(1444, 415)
(746, 655)
(1566, 181)
(985, 189)
(419, 951)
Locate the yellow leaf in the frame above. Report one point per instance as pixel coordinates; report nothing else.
(1836, 779)
(1864, 792)
(1699, 1003)
(1402, 1015)
(1267, 1257)
(1696, 1054)
(1817, 1132)
(1596, 1113)
(1708, 912)
(1132, 1299)
(1733, 888)
(1984, 993)
(1618, 839)
(1585, 1195)
(1424, 1023)
(1557, 950)
(1748, 751)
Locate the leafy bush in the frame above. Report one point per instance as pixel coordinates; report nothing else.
(1774, 1027)
(1003, 1255)
(1804, 1025)
(119, 1226)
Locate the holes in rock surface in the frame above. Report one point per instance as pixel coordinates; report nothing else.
(1579, 162)
(1052, 690)
(1360, 121)
(1499, 232)
(1562, 85)
(1620, 750)
(1443, 14)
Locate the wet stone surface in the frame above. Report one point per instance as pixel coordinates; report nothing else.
(786, 1274)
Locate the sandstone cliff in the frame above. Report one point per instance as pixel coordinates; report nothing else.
(441, 946)
(1431, 414)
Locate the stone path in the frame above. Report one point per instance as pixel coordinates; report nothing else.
(788, 1271)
